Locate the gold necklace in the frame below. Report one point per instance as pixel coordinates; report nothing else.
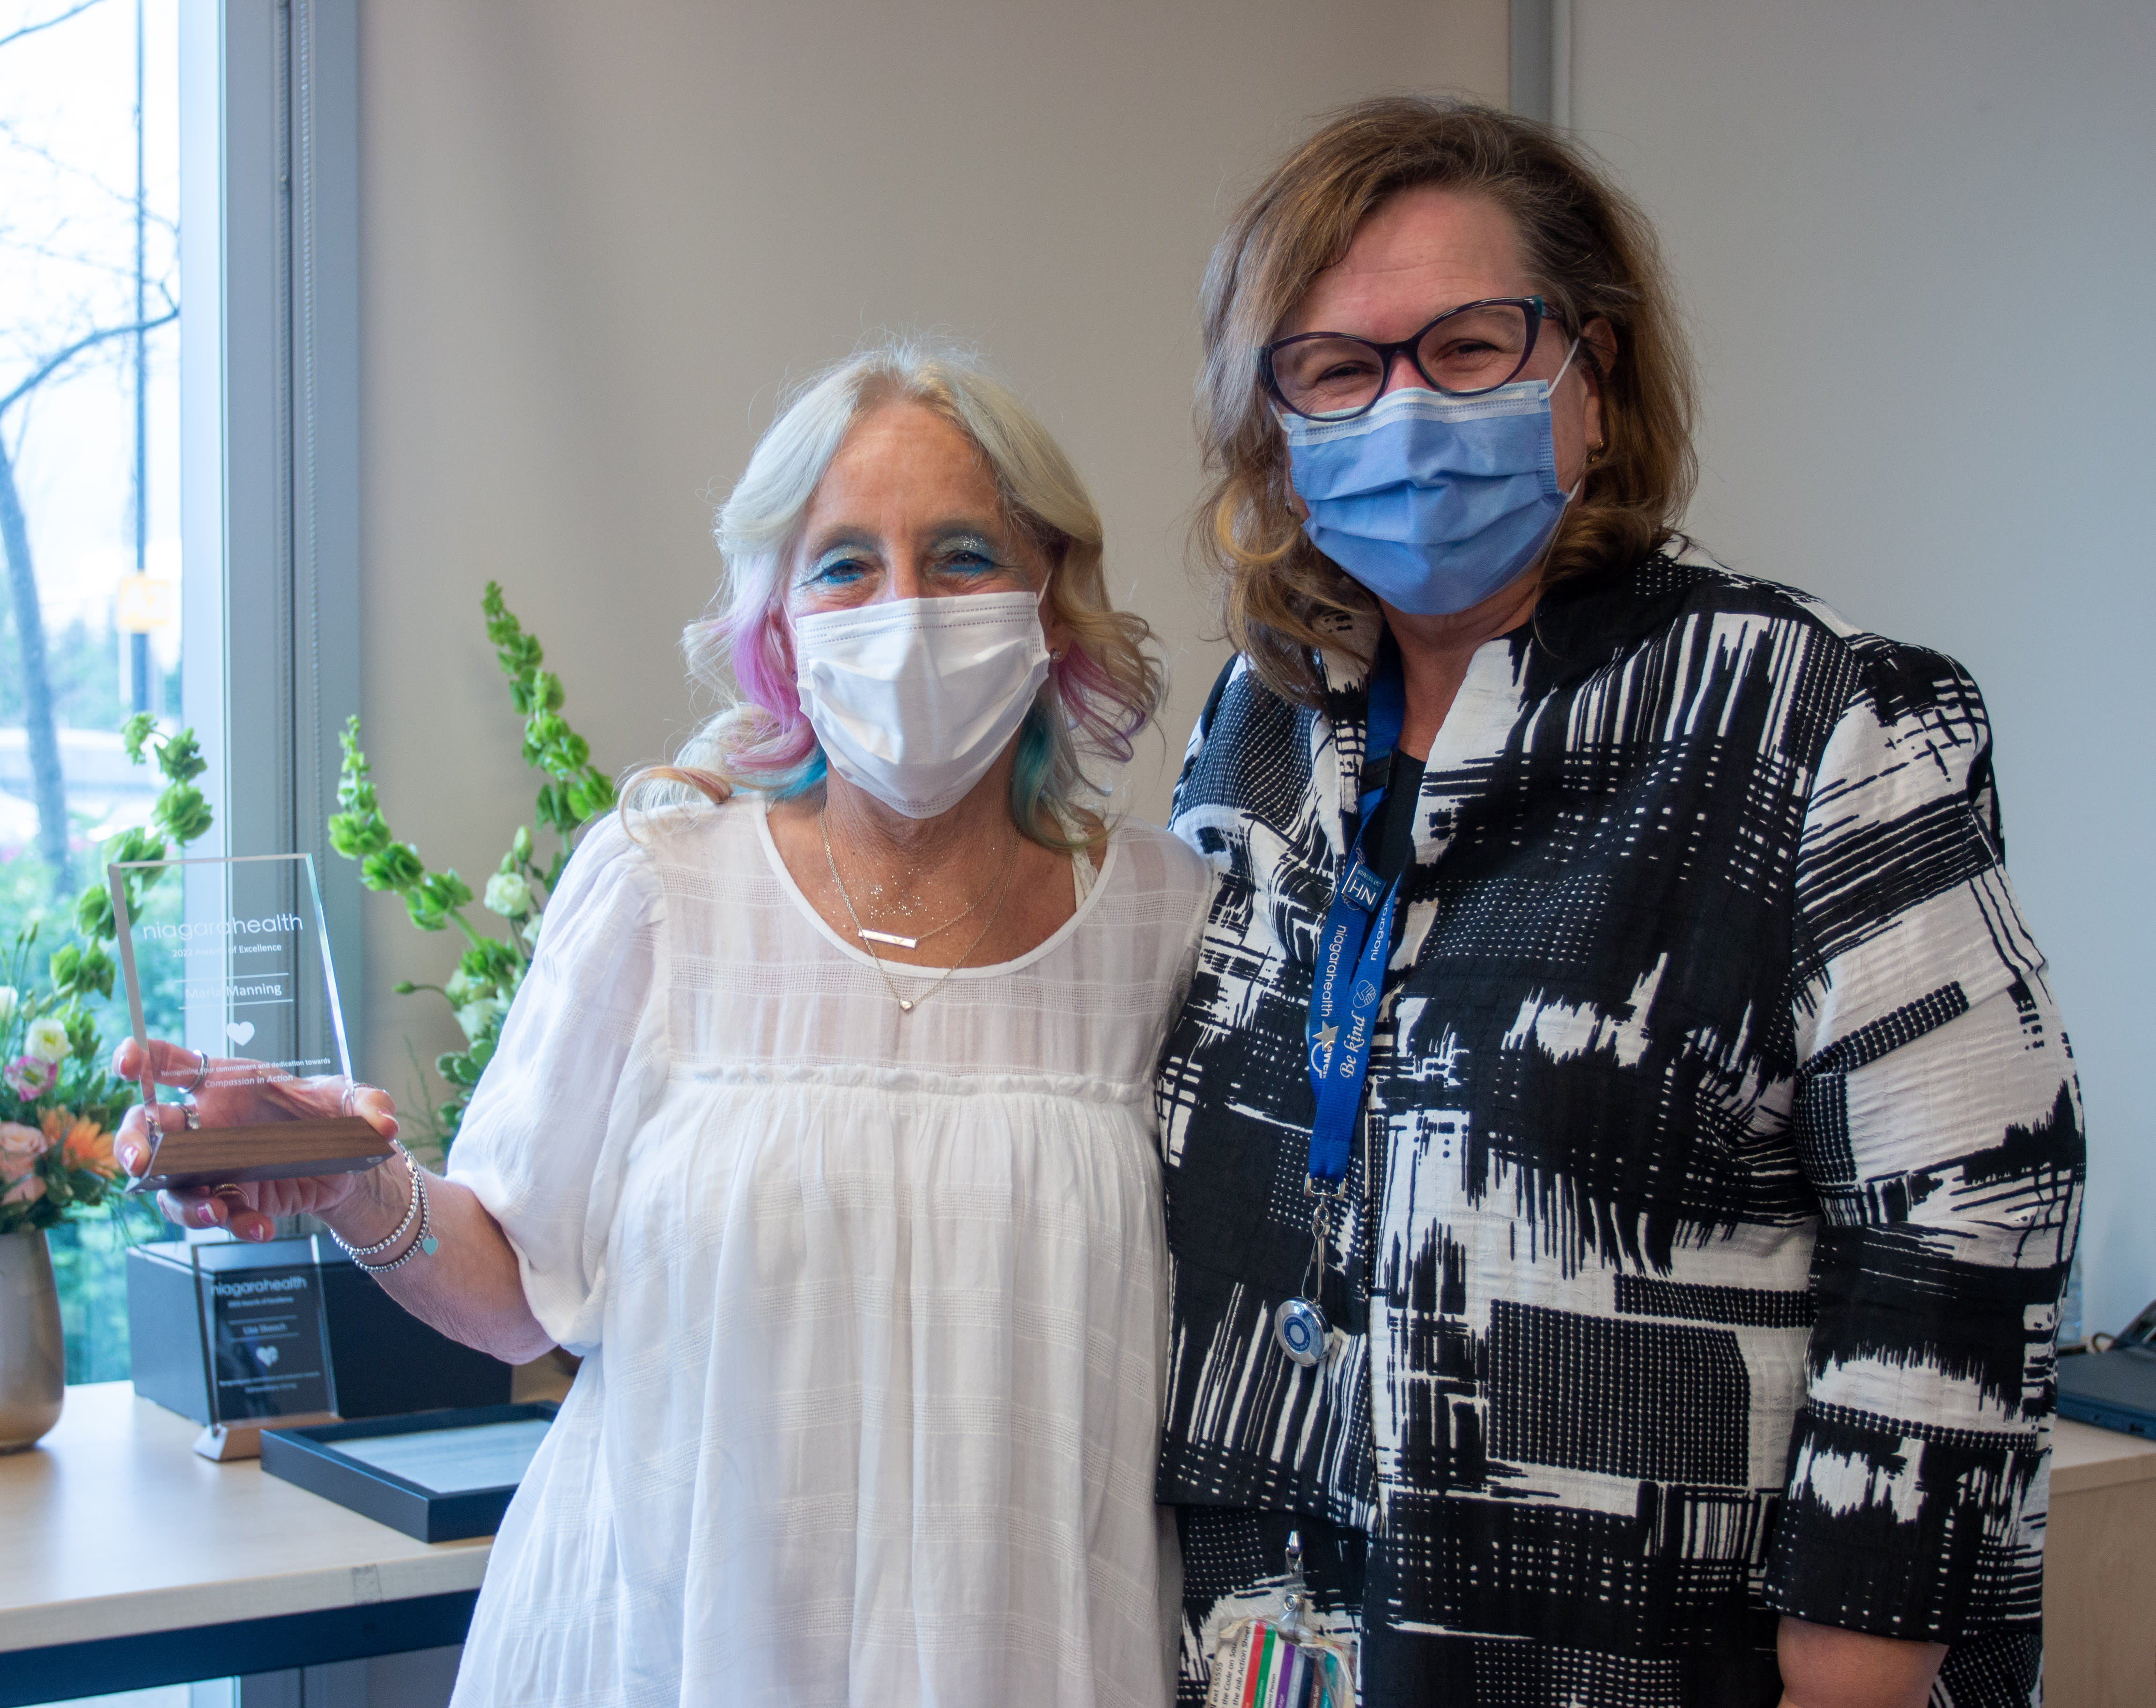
(907, 1006)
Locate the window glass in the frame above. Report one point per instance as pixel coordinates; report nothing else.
(88, 499)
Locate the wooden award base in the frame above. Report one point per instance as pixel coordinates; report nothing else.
(226, 1441)
(275, 1150)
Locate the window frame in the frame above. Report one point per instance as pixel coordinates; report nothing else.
(269, 431)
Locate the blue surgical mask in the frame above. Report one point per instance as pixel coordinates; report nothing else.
(1433, 503)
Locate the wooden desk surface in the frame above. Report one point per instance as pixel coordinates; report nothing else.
(113, 1527)
(2084, 1457)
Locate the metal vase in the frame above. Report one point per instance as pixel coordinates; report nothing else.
(32, 1363)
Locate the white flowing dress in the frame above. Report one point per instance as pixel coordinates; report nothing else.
(871, 1304)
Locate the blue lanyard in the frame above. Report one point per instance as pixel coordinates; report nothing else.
(1352, 950)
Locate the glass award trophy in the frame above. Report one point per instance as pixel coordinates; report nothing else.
(229, 958)
(265, 1342)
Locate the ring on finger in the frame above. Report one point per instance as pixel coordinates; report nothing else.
(202, 1075)
(191, 1114)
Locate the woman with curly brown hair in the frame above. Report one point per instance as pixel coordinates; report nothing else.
(1622, 1156)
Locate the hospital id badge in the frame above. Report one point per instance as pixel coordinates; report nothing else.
(1279, 1659)
(1260, 1664)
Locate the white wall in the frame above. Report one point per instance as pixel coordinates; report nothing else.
(597, 237)
(1918, 248)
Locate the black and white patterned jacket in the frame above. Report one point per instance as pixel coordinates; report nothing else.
(1719, 1172)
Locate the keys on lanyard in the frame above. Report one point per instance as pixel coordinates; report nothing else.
(1345, 988)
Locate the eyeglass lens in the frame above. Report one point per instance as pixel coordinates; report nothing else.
(1477, 349)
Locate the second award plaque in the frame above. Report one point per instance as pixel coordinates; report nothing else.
(233, 963)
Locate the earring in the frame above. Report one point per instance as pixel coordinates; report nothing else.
(1055, 657)
(1597, 454)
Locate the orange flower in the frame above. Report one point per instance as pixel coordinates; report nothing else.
(84, 1144)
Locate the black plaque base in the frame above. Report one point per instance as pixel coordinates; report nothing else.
(384, 1360)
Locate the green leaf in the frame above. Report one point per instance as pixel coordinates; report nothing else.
(358, 835)
(426, 918)
(396, 867)
(140, 843)
(137, 730)
(180, 758)
(457, 1067)
(445, 890)
(81, 1025)
(79, 969)
(183, 811)
(485, 964)
(93, 912)
(500, 626)
(553, 802)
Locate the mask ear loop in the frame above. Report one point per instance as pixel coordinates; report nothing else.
(1054, 654)
(1550, 390)
(1578, 486)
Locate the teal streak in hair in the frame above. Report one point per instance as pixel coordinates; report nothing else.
(1036, 755)
(811, 774)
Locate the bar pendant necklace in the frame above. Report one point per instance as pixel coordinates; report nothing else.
(907, 1004)
(868, 934)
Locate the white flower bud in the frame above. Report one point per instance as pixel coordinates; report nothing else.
(476, 1016)
(508, 895)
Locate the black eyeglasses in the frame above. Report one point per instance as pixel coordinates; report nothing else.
(1473, 348)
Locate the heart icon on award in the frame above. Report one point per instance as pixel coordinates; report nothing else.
(265, 1355)
(240, 1031)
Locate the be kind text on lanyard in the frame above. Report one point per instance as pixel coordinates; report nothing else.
(1346, 986)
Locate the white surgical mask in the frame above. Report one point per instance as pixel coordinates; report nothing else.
(914, 699)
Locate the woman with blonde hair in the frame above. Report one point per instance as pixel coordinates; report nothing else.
(1623, 1156)
(820, 1125)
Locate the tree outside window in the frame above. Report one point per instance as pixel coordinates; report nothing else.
(89, 487)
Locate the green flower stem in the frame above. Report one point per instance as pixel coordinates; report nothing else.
(572, 791)
(471, 937)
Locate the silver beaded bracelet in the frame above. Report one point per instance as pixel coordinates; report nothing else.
(423, 1244)
(411, 1209)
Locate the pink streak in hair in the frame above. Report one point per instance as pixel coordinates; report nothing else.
(756, 643)
(1091, 698)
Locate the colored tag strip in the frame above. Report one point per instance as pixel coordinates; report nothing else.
(1259, 1665)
